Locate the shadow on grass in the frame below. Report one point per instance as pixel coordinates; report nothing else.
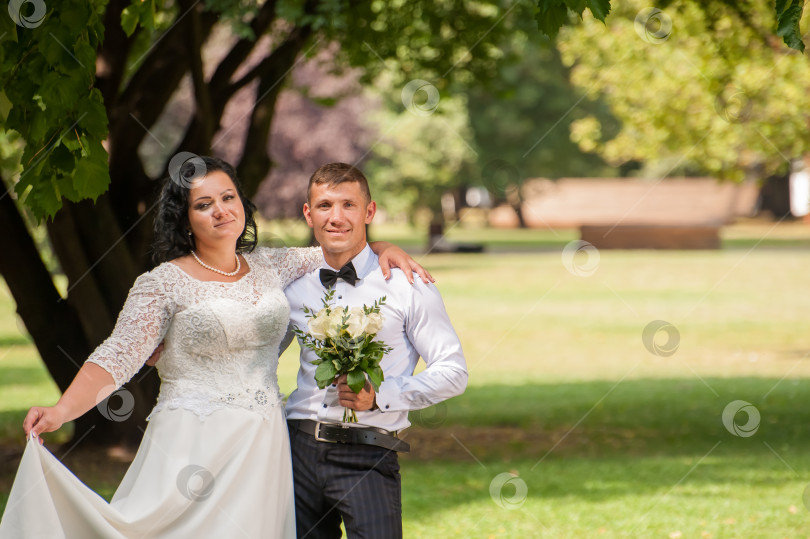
(598, 442)
(776, 243)
(11, 431)
(14, 340)
(14, 375)
(593, 419)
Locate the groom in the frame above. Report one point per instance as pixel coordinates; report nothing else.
(350, 472)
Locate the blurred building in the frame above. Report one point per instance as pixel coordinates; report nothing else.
(573, 202)
(631, 213)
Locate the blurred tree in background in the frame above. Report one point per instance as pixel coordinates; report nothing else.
(492, 133)
(521, 118)
(423, 151)
(698, 88)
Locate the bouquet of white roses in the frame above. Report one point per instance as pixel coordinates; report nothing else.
(343, 340)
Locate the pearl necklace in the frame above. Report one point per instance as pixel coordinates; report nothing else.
(225, 273)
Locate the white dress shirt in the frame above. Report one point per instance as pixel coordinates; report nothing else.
(415, 324)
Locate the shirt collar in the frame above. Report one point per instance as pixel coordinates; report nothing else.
(361, 262)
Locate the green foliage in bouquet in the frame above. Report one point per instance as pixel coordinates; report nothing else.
(343, 340)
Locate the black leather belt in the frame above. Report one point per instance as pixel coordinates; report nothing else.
(339, 433)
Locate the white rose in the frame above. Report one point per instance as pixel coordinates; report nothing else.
(357, 322)
(374, 324)
(335, 321)
(317, 325)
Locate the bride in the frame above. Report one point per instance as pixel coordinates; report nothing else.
(215, 459)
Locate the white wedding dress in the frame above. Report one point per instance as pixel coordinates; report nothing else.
(215, 457)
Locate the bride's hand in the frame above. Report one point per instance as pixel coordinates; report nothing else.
(392, 256)
(155, 357)
(42, 419)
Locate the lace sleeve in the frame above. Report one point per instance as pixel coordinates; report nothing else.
(141, 326)
(293, 262)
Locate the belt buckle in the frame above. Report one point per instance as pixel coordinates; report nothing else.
(318, 432)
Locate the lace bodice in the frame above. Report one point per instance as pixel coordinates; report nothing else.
(221, 339)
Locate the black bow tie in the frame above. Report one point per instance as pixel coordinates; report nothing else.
(347, 273)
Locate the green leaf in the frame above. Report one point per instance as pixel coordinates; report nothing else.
(70, 141)
(37, 128)
(52, 51)
(67, 187)
(577, 6)
(788, 24)
(376, 377)
(138, 12)
(290, 10)
(356, 379)
(74, 20)
(91, 177)
(62, 159)
(325, 374)
(56, 90)
(148, 14)
(85, 54)
(550, 17)
(44, 198)
(93, 115)
(599, 8)
(5, 106)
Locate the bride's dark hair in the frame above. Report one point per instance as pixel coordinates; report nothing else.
(172, 237)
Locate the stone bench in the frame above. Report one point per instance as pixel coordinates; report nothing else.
(653, 236)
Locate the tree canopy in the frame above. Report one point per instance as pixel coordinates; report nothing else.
(709, 92)
(62, 89)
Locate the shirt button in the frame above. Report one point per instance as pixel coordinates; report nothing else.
(386, 407)
(340, 297)
(325, 406)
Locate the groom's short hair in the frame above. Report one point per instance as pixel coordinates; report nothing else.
(336, 173)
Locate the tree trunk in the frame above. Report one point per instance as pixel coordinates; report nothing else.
(100, 269)
(53, 324)
(519, 213)
(515, 199)
(66, 331)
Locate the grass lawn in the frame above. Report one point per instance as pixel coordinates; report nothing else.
(571, 425)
